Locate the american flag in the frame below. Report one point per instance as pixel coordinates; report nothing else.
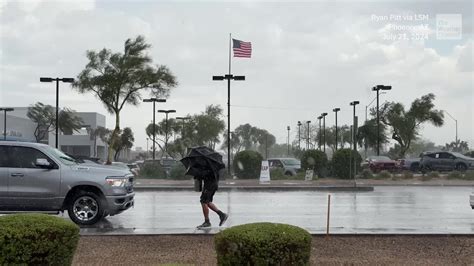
(242, 49)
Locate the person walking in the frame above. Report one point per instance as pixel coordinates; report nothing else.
(209, 189)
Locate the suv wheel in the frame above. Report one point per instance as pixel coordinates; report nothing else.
(85, 208)
(414, 167)
(461, 167)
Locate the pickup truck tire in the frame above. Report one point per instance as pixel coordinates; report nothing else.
(86, 208)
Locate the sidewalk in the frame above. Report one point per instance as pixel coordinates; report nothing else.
(320, 184)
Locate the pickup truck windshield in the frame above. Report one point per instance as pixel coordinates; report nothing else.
(61, 156)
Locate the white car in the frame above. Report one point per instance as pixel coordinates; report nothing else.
(472, 200)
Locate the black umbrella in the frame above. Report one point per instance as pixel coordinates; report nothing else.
(203, 162)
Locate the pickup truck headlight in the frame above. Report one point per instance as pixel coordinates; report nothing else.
(116, 181)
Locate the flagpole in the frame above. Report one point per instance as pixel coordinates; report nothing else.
(228, 107)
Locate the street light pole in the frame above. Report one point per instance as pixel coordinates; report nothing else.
(324, 130)
(154, 100)
(354, 133)
(288, 140)
(65, 80)
(5, 110)
(299, 135)
(307, 140)
(335, 110)
(228, 77)
(166, 127)
(377, 89)
(319, 120)
(456, 121)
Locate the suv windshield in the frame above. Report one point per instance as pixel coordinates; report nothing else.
(61, 156)
(291, 162)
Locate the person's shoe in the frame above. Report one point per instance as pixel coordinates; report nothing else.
(204, 225)
(223, 218)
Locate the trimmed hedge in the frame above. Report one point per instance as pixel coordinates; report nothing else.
(314, 160)
(263, 244)
(247, 164)
(341, 162)
(37, 239)
(153, 170)
(178, 171)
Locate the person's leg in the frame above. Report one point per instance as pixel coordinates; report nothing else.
(205, 211)
(222, 216)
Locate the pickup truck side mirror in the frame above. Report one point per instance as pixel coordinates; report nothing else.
(43, 163)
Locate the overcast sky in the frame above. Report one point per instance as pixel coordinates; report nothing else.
(308, 57)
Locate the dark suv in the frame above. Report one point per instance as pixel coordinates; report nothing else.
(445, 161)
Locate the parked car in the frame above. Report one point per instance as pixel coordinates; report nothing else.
(39, 178)
(411, 164)
(379, 163)
(445, 161)
(290, 166)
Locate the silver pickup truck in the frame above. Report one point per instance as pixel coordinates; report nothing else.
(38, 178)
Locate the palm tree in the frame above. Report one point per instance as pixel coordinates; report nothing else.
(119, 78)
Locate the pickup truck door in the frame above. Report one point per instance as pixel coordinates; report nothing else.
(3, 177)
(32, 188)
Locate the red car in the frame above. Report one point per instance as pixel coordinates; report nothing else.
(379, 163)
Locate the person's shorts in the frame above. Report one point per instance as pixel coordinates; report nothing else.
(208, 191)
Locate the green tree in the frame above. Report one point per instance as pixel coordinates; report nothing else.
(405, 124)
(125, 141)
(119, 78)
(99, 132)
(343, 163)
(45, 118)
(367, 134)
(457, 146)
(247, 164)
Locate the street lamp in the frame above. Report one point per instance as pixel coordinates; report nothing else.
(307, 140)
(323, 115)
(335, 110)
(377, 89)
(146, 156)
(456, 121)
(65, 80)
(183, 119)
(5, 110)
(299, 135)
(288, 140)
(166, 127)
(154, 100)
(368, 105)
(228, 77)
(320, 134)
(354, 103)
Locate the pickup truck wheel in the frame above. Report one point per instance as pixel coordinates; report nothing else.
(86, 208)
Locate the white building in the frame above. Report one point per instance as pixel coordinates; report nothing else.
(21, 128)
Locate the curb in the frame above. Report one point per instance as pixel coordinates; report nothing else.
(262, 188)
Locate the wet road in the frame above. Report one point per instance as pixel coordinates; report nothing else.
(416, 210)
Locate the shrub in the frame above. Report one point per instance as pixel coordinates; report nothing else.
(263, 244)
(178, 171)
(341, 162)
(37, 239)
(153, 170)
(314, 160)
(407, 175)
(366, 174)
(469, 175)
(277, 174)
(433, 174)
(384, 174)
(247, 164)
(455, 175)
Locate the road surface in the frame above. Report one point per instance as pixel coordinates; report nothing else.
(387, 210)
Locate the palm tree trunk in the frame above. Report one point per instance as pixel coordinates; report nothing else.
(113, 138)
